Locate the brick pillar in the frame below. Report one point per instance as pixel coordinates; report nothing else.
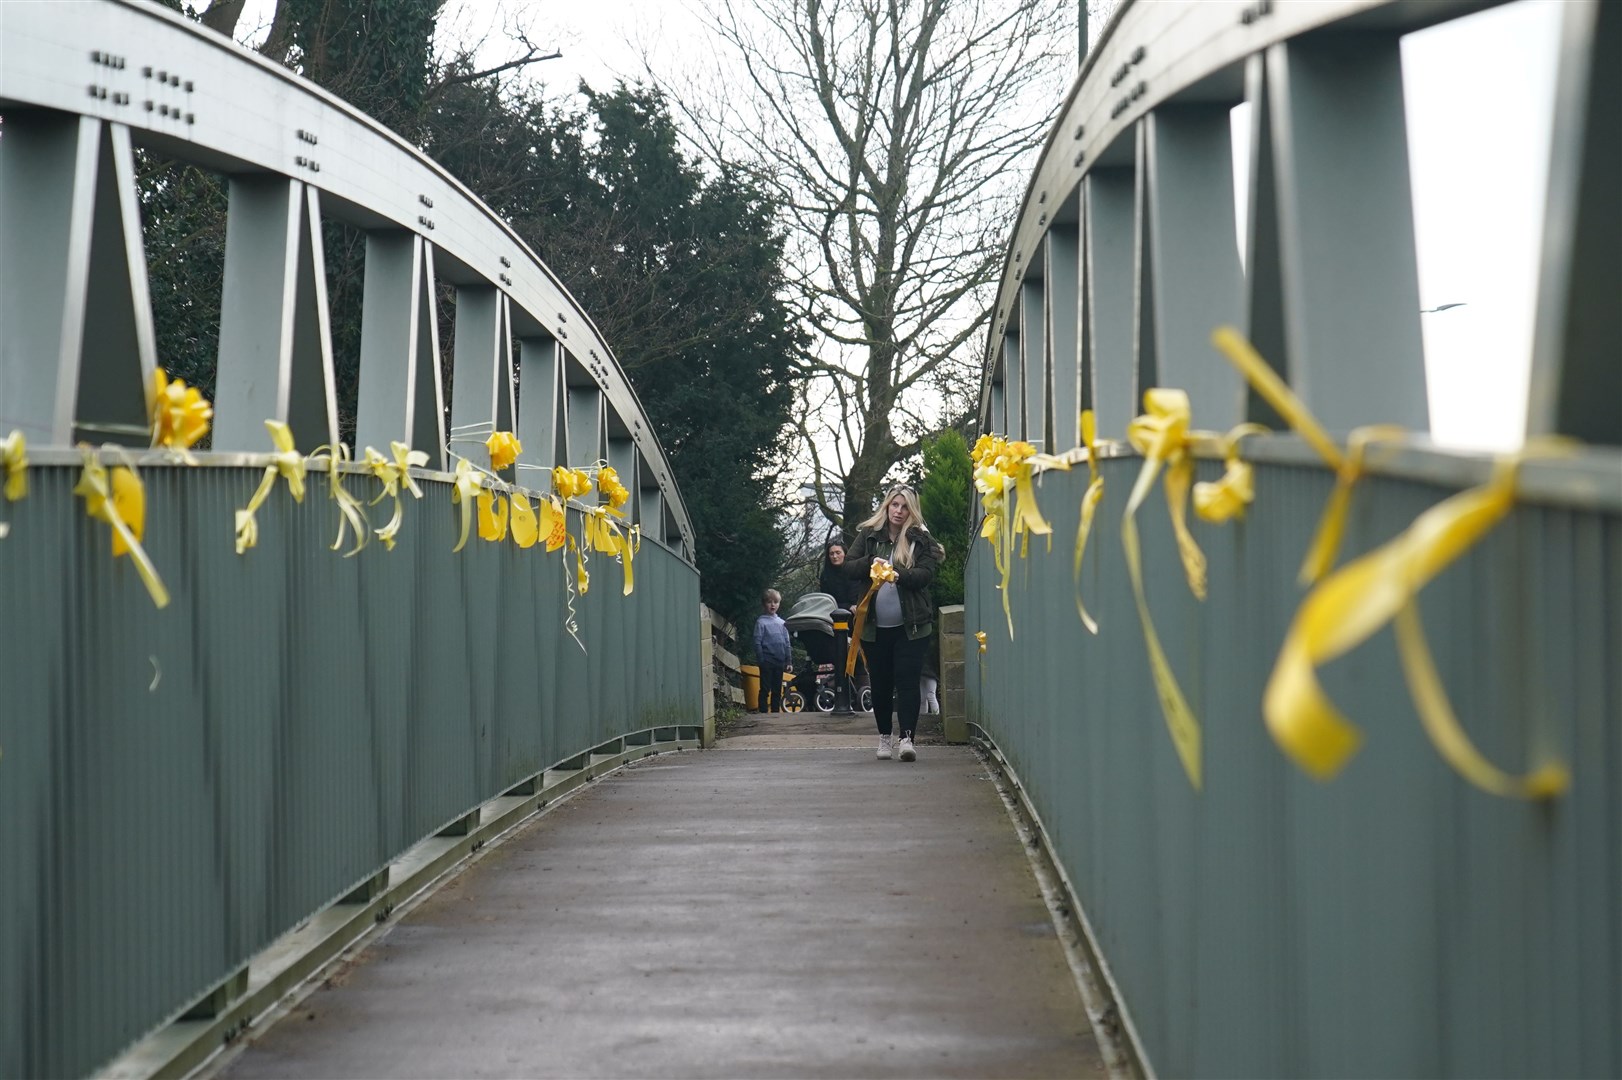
(953, 702)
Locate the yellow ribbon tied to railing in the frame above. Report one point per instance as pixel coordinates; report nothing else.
(465, 489)
(1161, 435)
(504, 449)
(351, 514)
(1348, 466)
(392, 475)
(1000, 463)
(180, 415)
(14, 460)
(119, 499)
(1351, 604)
(1089, 508)
(287, 463)
(879, 572)
(1223, 500)
(980, 637)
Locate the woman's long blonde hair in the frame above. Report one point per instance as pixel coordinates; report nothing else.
(880, 522)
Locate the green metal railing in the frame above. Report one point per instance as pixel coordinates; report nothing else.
(179, 787)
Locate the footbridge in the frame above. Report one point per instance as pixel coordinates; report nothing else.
(1357, 817)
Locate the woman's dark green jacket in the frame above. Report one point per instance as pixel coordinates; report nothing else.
(912, 582)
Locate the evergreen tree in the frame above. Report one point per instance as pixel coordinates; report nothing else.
(946, 495)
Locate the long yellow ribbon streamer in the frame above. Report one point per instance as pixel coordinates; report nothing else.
(879, 572)
(1089, 508)
(351, 514)
(464, 493)
(1161, 435)
(120, 501)
(1350, 605)
(1348, 467)
(287, 463)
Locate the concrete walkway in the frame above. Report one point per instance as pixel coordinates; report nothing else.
(780, 907)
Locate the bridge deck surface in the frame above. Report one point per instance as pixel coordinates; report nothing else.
(779, 907)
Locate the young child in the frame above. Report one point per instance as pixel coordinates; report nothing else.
(772, 652)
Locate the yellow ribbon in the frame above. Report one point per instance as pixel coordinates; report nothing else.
(492, 516)
(1225, 499)
(392, 474)
(980, 636)
(879, 571)
(286, 462)
(179, 414)
(120, 501)
(608, 483)
(351, 514)
(1089, 507)
(504, 449)
(604, 536)
(468, 485)
(525, 528)
(1351, 604)
(999, 463)
(1348, 467)
(1161, 436)
(14, 459)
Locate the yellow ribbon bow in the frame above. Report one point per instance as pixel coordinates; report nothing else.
(980, 636)
(287, 463)
(1351, 604)
(604, 536)
(999, 464)
(525, 528)
(879, 571)
(1161, 435)
(1089, 508)
(351, 514)
(120, 501)
(608, 484)
(180, 415)
(492, 516)
(464, 493)
(1227, 498)
(14, 459)
(1348, 466)
(504, 449)
(392, 474)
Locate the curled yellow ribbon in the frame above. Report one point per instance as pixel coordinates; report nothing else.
(492, 516)
(602, 535)
(1348, 467)
(392, 474)
(980, 636)
(464, 493)
(525, 529)
(351, 514)
(504, 449)
(1351, 604)
(287, 463)
(120, 501)
(608, 484)
(1161, 436)
(1225, 499)
(1089, 508)
(179, 414)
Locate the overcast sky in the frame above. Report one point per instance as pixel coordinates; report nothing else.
(1480, 92)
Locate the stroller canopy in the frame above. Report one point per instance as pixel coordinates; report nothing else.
(814, 612)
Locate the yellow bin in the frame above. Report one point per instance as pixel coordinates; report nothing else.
(751, 686)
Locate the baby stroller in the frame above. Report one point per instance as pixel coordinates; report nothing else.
(812, 622)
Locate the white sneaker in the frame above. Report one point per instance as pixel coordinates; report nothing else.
(884, 748)
(907, 752)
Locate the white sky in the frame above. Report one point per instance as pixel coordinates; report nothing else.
(1480, 94)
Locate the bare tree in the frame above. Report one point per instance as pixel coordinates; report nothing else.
(897, 132)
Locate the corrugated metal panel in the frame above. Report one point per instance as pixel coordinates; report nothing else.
(1393, 922)
(179, 787)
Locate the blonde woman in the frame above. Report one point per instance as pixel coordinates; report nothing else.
(901, 615)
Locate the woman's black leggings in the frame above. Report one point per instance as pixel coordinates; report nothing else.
(894, 662)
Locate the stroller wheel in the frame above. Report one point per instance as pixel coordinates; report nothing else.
(793, 701)
(867, 699)
(825, 698)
